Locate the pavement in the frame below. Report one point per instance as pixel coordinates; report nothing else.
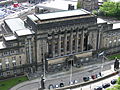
(77, 74)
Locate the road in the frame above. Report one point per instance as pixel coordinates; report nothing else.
(93, 85)
(65, 78)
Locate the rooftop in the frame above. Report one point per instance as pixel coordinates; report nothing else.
(33, 17)
(15, 24)
(8, 38)
(116, 25)
(2, 45)
(99, 20)
(24, 32)
(62, 14)
(59, 4)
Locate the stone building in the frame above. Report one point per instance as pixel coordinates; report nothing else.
(54, 39)
(89, 4)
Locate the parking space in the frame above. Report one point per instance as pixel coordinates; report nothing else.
(15, 8)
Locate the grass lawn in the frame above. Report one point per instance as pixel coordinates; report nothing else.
(112, 57)
(7, 84)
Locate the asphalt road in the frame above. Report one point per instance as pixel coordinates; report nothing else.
(100, 83)
(63, 77)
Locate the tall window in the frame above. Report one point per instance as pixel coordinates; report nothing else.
(0, 66)
(14, 63)
(20, 60)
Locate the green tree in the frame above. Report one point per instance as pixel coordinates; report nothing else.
(78, 5)
(118, 81)
(110, 9)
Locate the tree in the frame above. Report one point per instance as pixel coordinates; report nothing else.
(78, 5)
(110, 8)
(118, 81)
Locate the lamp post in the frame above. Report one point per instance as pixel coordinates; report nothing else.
(102, 60)
(42, 82)
(71, 72)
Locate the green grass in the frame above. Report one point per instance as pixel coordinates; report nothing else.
(112, 57)
(7, 84)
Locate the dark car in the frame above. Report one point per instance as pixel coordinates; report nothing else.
(113, 81)
(51, 87)
(93, 76)
(86, 79)
(98, 88)
(106, 85)
(61, 84)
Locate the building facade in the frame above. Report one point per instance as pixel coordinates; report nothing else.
(89, 4)
(53, 41)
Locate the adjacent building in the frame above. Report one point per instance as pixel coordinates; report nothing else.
(89, 4)
(52, 40)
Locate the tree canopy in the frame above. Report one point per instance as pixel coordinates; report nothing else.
(110, 8)
(78, 5)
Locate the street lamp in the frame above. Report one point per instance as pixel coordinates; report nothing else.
(102, 54)
(71, 71)
(42, 81)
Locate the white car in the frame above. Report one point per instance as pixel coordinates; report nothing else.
(56, 86)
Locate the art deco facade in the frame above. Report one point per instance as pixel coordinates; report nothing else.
(54, 39)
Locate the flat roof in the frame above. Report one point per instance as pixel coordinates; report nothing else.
(116, 25)
(2, 45)
(99, 20)
(8, 38)
(62, 14)
(33, 17)
(59, 4)
(24, 32)
(15, 24)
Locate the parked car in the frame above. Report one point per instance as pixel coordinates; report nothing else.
(86, 79)
(51, 87)
(71, 83)
(98, 88)
(106, 85)
(93, 76)
(75, 81)
(61, 84)
(113, 81)
(56, 86)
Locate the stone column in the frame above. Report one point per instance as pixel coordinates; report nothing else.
(65, 43)
(76, 42)
(30, 55)
(30, 51)
(53, 45)
(59, 44)
(71, 41)
(82, 40)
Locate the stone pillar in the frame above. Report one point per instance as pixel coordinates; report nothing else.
(98, 39)
(65, 43)
(30, 51)
(53, 45)
(76, 42)
(82, 40)
(30, 54)
(71, 41)
(59, 44)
